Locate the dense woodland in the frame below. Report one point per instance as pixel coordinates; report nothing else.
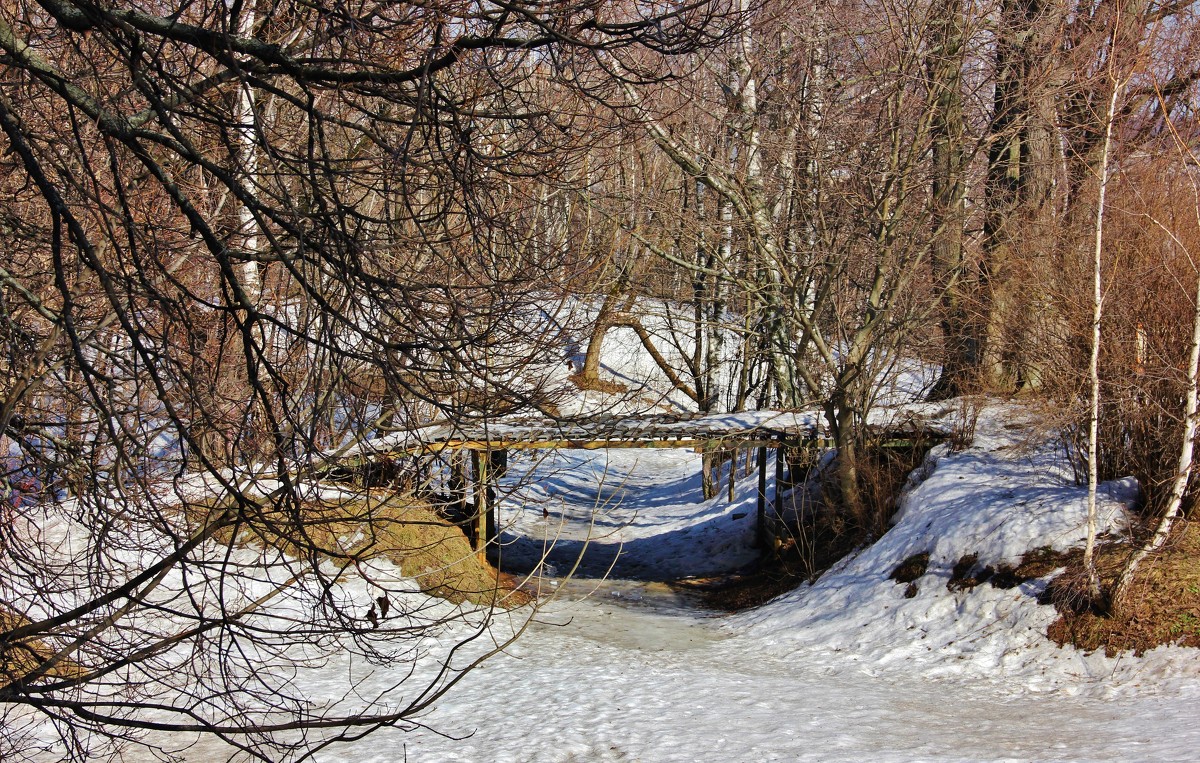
(241, 235)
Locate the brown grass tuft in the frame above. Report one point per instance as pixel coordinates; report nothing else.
(911, 568)
(1162, 606)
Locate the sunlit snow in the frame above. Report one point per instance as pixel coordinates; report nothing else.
(844, 669)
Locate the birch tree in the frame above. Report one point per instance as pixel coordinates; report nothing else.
(1190, 422)
(1089, 561)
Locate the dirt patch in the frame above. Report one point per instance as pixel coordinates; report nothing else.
(909, 571)
(1037, 563)
(801, 558)
(911, 568)
(968, 573)
(1162, 606)
(742, 590)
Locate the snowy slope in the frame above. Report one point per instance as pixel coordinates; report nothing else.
(998, 499)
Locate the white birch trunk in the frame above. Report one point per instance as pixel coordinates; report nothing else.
(1089, 553)
(244, 118)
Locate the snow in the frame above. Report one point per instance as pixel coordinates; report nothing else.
(998, 499)
(627, 514)
(843, 669)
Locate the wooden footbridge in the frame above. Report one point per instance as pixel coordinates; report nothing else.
(488, 442)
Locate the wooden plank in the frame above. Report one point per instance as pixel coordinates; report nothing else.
(580, 444)
(656, 431)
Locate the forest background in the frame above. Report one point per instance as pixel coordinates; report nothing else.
(242, 236)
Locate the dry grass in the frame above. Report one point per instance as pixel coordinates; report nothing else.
(597, 384)
(374, 525)
(19, 658)
(911, 568)
(1162, 606)
(909, 571)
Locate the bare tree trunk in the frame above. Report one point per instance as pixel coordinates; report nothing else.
(961, 347)
(845, 434)
(1089, 555)
(589, 375)
(1020, 177)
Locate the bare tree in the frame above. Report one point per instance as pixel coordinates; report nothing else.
(822, 168)
(247, 235)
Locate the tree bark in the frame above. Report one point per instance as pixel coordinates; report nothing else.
(1018, 184)
(1089, 555)
(960, 345)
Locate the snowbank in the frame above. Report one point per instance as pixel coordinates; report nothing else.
(998, 499)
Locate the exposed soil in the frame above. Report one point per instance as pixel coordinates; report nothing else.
(911, 568)
(1161, 607)
(909, 571)
(968, 573)
(742, 590)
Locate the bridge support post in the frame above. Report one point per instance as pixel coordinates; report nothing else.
(777, 519)
(457, 487)
(733, 465)
(488, 465)
(479, 465)
(497, 466)
(760, 537)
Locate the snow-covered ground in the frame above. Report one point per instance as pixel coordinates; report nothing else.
(844, 669)
(847, 668)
